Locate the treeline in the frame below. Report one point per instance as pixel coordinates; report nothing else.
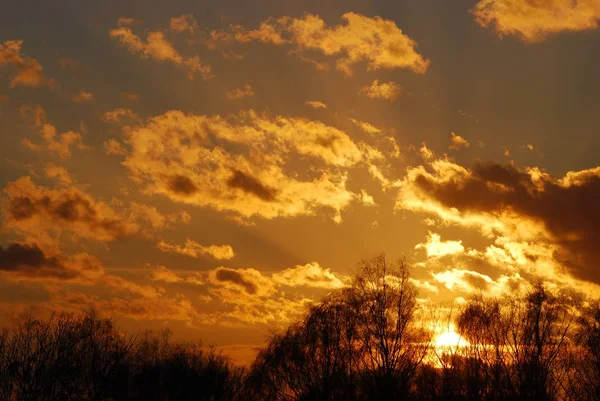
(370, 341)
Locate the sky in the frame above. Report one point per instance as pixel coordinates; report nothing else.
(215, 167)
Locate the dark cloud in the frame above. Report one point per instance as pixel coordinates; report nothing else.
(34, 209)
(182, 185)
(476, 281)
(567, 208)
(251, 185)
(18, 255)
(236, 278)
(21, 208)
(28, 261)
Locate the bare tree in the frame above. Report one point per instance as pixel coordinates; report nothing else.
(391, 343)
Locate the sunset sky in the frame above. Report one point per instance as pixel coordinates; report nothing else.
(215, 166)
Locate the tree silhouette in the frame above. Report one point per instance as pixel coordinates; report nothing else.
(370, 341)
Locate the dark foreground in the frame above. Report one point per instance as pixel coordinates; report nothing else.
(370, 341)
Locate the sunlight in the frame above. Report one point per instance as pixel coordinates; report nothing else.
(450, 338)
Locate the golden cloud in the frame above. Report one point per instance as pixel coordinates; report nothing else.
(308, 275)
(83, 96)
(533, 21)
(28, 262)
(239, 93)
(457, 142)
(435, 247)
(159, 48)
(184, 157)
(529, 206)
(37, 212)
(378, 42)
(130, 96)
(162, 273)
(114, 147)
(115, 116)
(382, 90)
(316, 104)
(29, 70)
(184, 23)
(366, 127)
(52, 142)
(195, 250)
(59, 173)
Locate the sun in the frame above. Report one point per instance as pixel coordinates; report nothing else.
(450, 338)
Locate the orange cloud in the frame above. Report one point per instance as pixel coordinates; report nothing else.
(158, 48)
(435, 247)
(38, 212)
(315, 104)
(239, 93)
(184, 23)
(114, 147)
(83, 97)
(529, 206)
(61, 144)
(184, 157)
(533, 21)
(457, 142)
(308, 275)
(161, 273)
(378, 42)
(366, 127)
(195, 250)
(382, 90)
(115, 116)
(29, 70)
(130, 96)
(59, 173)
(22, 261)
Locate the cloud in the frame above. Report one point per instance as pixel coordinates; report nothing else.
(36, 211)
(114, 147)
(184, 23)
(139, 212)
(533, 21)
(435, 247)
(83, 97)
(240, 281)
(29, 71)
(22, 261)
(240, 164)
(52, 142)
(37, 112)
(308, 275)
(424, 285)
(159, 48)
(529, 206)
(366, 127)
(457, 142)
(195, 250)
(376, 41)
(426, 153)
(115, 116)
(59, 173)
(315, 104)
(251, 185)
(130, 96)
(239, 93)
(382, 90)
(161, 273)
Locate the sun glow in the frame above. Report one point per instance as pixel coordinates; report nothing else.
(449, 339)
